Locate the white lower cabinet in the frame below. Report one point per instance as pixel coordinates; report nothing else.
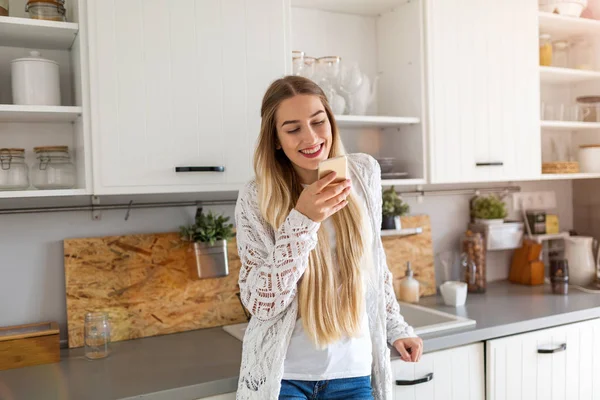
(226, 396)
(453, 374)
(556, 363)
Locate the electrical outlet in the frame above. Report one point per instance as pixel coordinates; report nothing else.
(534, 200)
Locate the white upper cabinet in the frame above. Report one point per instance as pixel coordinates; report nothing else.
(179, 84)
(483, 90)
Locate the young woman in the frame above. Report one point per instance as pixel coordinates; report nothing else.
(314, 275)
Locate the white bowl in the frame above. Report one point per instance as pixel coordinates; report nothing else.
(571, 8)
(454, 293)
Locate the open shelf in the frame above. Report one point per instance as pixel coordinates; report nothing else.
(566, 75)
(373, 121)
(561, 27)
(581, 175)
(17, 113)
(42, 193)
(401, 232)
(402, 182)
(569, 125)
(38, 34)
(359, 7)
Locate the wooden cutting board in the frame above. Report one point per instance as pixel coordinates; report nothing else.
(148, 283)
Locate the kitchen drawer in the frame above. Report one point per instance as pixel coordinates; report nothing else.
(456, 374)
(556, 363)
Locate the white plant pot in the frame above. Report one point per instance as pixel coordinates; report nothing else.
(489, 221)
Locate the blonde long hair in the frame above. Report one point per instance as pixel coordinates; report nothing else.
(327, 314)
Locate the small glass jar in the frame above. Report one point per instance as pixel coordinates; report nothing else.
(14, 173)
(47, 10)
(583, 55)
(545, 50)
(560, 54)
(54, 169)
(96, 335)
(473, 262)
(590, 108)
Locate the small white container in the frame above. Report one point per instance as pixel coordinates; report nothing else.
(35, 81)
(454, 293)
(589, 158)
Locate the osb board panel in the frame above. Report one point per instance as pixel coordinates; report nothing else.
(148, 285)
(418, 249)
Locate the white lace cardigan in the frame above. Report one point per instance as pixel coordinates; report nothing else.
(272, 264)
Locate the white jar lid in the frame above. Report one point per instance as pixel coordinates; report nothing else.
(34, 56)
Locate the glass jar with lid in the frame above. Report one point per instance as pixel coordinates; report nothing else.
(545, 50)
(54, 169)
(14, 173)
(49, 10)
(560, 54)
(583, 55)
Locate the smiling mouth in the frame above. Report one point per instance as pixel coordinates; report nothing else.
(312, 150)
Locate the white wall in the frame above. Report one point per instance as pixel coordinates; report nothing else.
(32, 284)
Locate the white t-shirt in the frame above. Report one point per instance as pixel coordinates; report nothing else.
(347, 358)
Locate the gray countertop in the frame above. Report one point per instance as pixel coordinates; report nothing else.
(206, 362)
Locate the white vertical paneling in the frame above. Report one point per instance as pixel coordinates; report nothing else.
(514, 370)
(595, 358)
(572, 363)
(558, 362)
(180, 84)
(585, 362)
(529, 365)
(458, 374)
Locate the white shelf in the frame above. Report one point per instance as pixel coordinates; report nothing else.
(561, 27)
(550, 236)
(401, 232)
(402, 182)
(581, 175)
(373, 121)
(359, 7)
(37, 34)
(569, 125)
(42, 193)
(17, 113)
(566, 75)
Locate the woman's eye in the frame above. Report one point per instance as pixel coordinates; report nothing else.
(294, 130)
(321, 122)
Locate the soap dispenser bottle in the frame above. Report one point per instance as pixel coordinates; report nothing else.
(409, 287)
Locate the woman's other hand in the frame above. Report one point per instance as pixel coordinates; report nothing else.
(322, 199)
(410, 349)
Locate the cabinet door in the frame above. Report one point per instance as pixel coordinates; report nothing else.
(483, 85)
(179, 84)
(557, 363)
(455, 374)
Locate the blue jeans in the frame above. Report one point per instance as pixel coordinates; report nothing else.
(358, 388)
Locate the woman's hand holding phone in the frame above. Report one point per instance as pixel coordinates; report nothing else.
(323, 199)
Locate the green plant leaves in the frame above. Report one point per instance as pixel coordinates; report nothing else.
(392, 204)
(208, 228)
(489, 207)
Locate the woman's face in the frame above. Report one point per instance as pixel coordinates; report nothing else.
(304, 134)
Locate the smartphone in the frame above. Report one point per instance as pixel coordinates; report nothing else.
(337, 164)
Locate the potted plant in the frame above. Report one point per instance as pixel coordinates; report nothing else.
(489, 210)
(393, 208)
(209, 234)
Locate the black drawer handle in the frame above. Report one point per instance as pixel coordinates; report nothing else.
(218, 168)
(561, 347)
(424, 379)
(489, 164)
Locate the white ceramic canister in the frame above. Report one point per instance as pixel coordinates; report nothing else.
(35, 81)
(589, 158)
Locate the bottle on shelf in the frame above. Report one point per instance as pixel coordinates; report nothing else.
(545, 50)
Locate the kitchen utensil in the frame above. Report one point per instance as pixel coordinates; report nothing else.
(46, 9)
(580, 256)
(592, 104)
(14, 174)
(96, 335)
(572, 8)
(589, 157)
(545, 50)
(54, 169)
(454, 293)
(35, 81)
(31, 344)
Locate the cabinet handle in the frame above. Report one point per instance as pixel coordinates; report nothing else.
(561, 347)
(489, 164)
(217, 168)
(424, 379)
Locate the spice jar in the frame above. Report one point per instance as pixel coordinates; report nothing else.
(14, 174)
(49, 10)
(473, 259)
(545, 50)
(96, 335)
(54, 169)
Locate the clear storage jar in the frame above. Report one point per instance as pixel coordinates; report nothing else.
(473, 262)
(96, 335)
(14, 173)
(54, 169)
(49, 10)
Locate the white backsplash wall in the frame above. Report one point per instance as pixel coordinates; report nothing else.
(32, 285)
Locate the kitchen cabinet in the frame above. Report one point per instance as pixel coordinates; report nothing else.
(555, 363)
(453, 374)
(483, 90)
(179, 84)
(226, 396)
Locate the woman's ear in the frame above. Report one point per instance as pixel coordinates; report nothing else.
(277, 145)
